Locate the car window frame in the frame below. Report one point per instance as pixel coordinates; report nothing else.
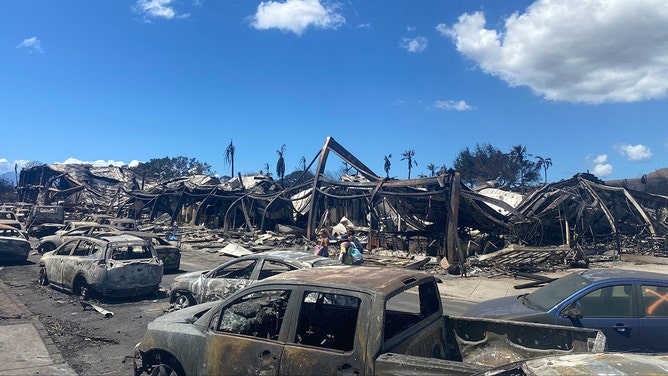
(214, 274)
(632, 300)
(285, 325)
(72, 244)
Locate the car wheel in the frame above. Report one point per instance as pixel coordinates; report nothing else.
(46, 247)
(81, 288)
(183, 300)
(43, 279)
(167, 367)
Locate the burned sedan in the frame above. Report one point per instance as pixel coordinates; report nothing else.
(13, 244)
(51, 242)
(169, 253)
(116, 265)
(204, 286)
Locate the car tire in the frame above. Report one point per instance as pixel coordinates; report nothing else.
(45, 247)
(168, 368)
(43, 280)
(81, 288)
(183, 300)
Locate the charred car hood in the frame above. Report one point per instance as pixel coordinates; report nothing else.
(190, 277)
(186, 315)
(507, 308)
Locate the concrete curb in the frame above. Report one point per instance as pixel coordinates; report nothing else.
(58, 364)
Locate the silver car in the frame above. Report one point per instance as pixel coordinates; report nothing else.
(208, 285)
(116, 265)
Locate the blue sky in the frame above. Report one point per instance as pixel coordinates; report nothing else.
(582, 82)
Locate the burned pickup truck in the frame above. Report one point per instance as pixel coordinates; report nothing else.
(343, 320)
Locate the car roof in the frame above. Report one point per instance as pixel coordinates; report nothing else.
(601, 275)
(289, 255)
(122, 220)
(142, 234)
(114, 238)
(121, 238)
(367, 278)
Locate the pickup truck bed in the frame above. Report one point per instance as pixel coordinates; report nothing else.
(344, 320)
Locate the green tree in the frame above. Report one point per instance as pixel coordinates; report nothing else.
(545, 163)
(408, 156)
(387, 165)
(528, 171)
(167, 168)
(229, 156)
(486, 163)
(280, 164)
(298, 176)
(7, 191)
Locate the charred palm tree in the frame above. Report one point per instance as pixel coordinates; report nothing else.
(280, 164)
(432, 168)
(229, 156)
(387, 165)
(408, 156)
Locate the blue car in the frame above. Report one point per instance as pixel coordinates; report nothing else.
(629, 307)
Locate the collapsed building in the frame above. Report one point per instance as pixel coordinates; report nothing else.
(437, 216)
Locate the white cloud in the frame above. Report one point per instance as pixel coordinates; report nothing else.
(7, 166)
(453, 105)
(414, 45)
(99, 162)
(296, 15)
(589, 51)
(31, 45)
(634, 153)
(150, 9)
(601, 159)
(602, 170)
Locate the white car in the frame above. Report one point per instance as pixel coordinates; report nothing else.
(116, 266)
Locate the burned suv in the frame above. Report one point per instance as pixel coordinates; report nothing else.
(116, 265)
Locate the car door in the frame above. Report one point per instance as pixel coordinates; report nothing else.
(329, 335)
(226, 280)
(248, 335)
(654, 318)
(612, 309)
(57, 262)
(77, 261)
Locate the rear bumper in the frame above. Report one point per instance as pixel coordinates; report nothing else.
(130, 291)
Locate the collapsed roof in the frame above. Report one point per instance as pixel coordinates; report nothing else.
(438, 211)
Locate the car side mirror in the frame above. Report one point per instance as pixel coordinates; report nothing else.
(572, 313)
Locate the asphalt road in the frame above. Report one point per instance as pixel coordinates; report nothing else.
(97, 345)
(90, 342)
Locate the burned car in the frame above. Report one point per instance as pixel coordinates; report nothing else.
(204, 286)
(115, 265)
(169, 253)
(51, 242)
(8, 218)
(13, 244)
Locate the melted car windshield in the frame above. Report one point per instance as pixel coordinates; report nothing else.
(550, 295)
